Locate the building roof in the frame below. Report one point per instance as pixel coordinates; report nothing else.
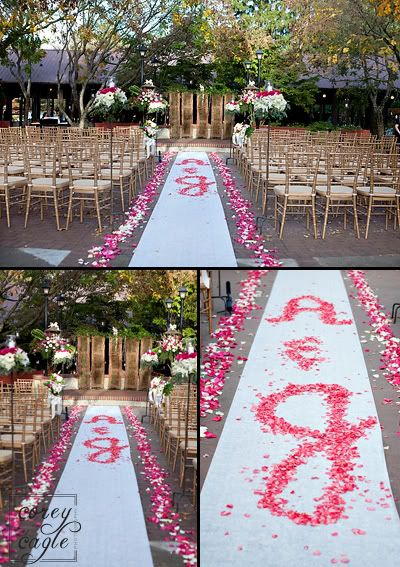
(46, 70)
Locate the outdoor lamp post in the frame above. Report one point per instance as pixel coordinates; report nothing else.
(182, 294)
(142, 53)
(12, 343)
(168, 304)
(259, 54)
(46, 290)
(247, 64)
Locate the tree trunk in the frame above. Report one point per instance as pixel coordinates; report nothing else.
(28, 101)
(377, 121)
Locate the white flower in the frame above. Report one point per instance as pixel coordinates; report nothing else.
(62, 356)
(232, 106)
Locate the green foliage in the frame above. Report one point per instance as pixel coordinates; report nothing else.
(38, 334)
(169, 386)
(132, 301)
(322, 127)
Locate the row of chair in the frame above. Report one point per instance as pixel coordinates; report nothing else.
(174, 419)
(77, 173)
(341, 176)
(27, 426)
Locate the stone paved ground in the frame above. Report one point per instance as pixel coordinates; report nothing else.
(40, 245)
(339, 249)
(386, 283)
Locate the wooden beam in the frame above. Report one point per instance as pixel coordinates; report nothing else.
(132, 365)
(145, 373)
(98, 362)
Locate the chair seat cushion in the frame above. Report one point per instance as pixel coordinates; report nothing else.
(345, 179)
(294, 190)
(6, 439)
(13, 170)
(378, 191)
(47, 183)
(76, 174)
(88, 184)
(116, 173)
(13, 181)
(192, 445)
(5, 456)
(335, 190)
(321, 178)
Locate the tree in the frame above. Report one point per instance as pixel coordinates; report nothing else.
(340, 37)
(19, 18)
(99, 41)
(92, 298)
(25, 52)
(388, 8)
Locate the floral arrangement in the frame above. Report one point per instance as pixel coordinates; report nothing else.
(150, 100)
(157, 385)
(247, 98)
(55, 384)
(164, 353)
(270, 104)
(64, 357)
(109, 102)
(53, 347)
(149, 359)
(13, 359)
(150, 129)
(158, 105)
(184, 365)
(232, 107)
(241, 132)
(171, 344)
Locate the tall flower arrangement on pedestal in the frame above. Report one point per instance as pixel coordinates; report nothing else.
(270, 104)
(264, 105)
(151, 101)
(13, 359)
(109, 103)
(52, 347)
(169, 356)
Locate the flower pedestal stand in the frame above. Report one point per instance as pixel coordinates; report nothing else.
(261, 220)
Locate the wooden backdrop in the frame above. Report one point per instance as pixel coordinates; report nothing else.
(204, 112)
(116, 359)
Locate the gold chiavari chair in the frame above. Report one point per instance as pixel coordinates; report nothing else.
(47, 188)
(381, 194)
(298, 194)
(188, 453)
(89, 188)
(176, 433)
(337, 196)
(13, 185)
(25, 442)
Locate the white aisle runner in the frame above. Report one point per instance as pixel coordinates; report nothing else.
(271, 496)
(113, 530)
(188, 226)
